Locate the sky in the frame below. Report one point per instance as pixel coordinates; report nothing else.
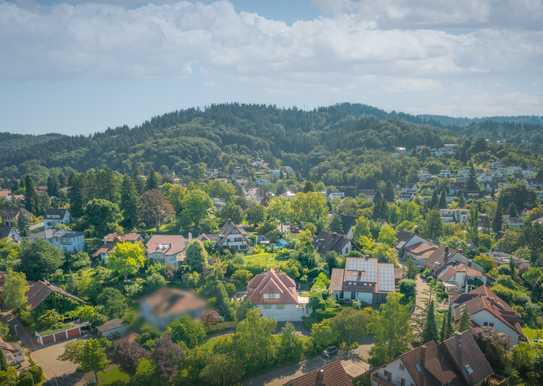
(78, 67)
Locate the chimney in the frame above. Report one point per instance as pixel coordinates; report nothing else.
(190, 236)
(446, 259)
(320, 378)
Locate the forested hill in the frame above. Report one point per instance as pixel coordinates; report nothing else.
(221, 134)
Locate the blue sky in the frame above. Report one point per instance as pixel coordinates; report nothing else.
(78, 66)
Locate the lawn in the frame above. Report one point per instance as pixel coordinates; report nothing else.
(262, 261)
(533, 333)
(113, 375)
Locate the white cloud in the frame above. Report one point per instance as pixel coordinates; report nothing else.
(523, 14)
(358, 52)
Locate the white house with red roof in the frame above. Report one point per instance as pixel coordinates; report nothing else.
(276, 295)
(486, 309)
(167, 249)
(460, 275)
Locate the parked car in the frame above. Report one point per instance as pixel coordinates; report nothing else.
(329, 352)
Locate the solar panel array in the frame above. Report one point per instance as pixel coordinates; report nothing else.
(373, 272)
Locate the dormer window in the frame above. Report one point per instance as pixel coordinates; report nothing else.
(468, 368)
(271, 295)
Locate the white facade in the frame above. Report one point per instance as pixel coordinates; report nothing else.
(169, 260)
(70, 242)
(284, 312)
(395, 373)
(485, 318)
(460, 216)
(235, 241)
(53, 220)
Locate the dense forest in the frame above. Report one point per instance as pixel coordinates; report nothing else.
(219, 136)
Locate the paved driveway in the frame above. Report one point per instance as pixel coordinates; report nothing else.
(53, 368)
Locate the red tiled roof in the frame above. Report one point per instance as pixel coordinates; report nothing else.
(166, 244)
(40, 290)
(458, 361)
(483, 298)
(421, 248)
(449, 272)
(272, 282)
(173, 301)
(332, 374)
(120, 238)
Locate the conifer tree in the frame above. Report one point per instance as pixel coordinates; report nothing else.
(430, 328)
(443, 200)
(129, 203)
(30, 195)
(464, 321)
(447, 328)
(76, 196)
(497, 224)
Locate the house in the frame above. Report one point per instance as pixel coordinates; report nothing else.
(332, 374)
(232, 237)
(275, 294)
(459, 216)
(442, 257)
(486, 309)
(167, 249)
(10, 216)
(68, 241)
(327, 242)
(460, 276)
(12, 233)
(13, 353)
(417, 249)
(505, 258)
(54, 217)
(167, 304)
(456, 361)
(39, 291)
(408, 194)
(112, 329)
(363, 279)
(112, 239)
(336, 195)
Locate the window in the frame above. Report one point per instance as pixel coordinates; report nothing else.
(280, 306)
(267, 306)
(271, 295)
(468, 368)
(388, 375)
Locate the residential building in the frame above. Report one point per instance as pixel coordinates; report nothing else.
(424, 176)
(327, 242)
(113, 329)
(68, 241)
(460, 276)
(232, 237)
(522, 265)
(459, 216)
(363, 279)
(13, 353)
(486, 309)
(408, 194)
(167, 304)
(112, 239)
(331, 374)
(167, 249)
(336, 195)
(10, 216)
(54, 217)
(275, 294)
(456, 361)
(417, 249)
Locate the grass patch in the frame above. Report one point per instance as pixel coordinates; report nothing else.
(112, 375)
(532, 333)
(261, 261)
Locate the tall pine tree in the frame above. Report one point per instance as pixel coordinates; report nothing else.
(129, 203)
(497, 223)
(447, 328)
(76, 195)
(30, 195)
(430, 328)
